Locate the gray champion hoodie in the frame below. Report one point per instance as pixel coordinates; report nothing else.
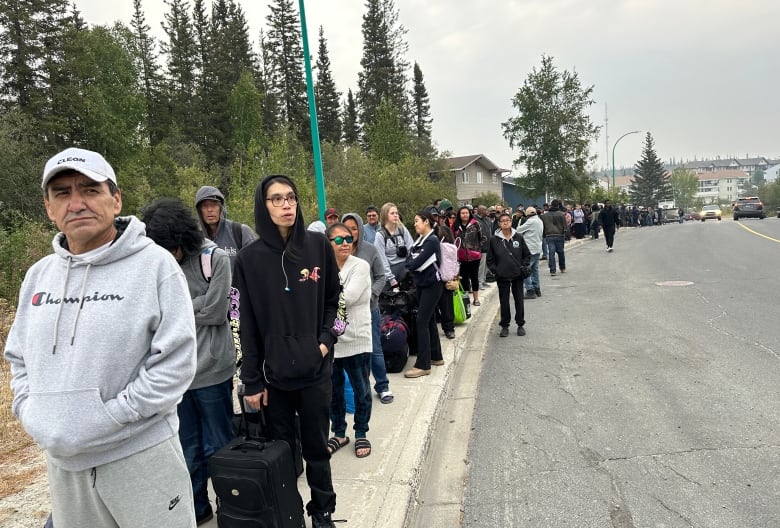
(102, 349)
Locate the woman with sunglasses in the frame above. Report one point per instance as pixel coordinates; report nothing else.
(353, 349)
(424, 265)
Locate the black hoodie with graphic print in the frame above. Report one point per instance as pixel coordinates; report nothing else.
(289, 293)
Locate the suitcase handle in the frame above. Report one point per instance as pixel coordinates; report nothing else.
(249, 443)
(244, 422)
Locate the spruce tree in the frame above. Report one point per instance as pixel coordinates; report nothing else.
(265, 80)
(651, 182)
(182, 59)
(150, 81)
(421, 117)
(18, 52)
(383, 73)
(286, 55)
(229, 55)
(327, 96)
(350, 120)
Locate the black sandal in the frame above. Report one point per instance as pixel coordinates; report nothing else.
(334, 444)
(362, 443)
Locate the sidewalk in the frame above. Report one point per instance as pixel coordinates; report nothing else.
(381, 490)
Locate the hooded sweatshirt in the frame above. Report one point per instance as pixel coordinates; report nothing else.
(227, 233)
(506, 257)
(289, 294)
(102, 349)
(532, 230)
(211, 302)
(368, 252)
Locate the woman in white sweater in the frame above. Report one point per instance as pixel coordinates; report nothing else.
(354, 346)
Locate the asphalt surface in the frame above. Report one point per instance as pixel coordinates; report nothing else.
(645, 393)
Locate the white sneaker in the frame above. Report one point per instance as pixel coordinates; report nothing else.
(609, 249)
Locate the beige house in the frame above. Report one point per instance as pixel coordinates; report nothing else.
(473, 175)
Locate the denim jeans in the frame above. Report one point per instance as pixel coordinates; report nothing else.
(378, 369)
(205, 426)
(357, 367)
(555, 246)
(532, 281)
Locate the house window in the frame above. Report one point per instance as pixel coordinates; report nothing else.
(479, 177)
(495, 179)
(465, 177)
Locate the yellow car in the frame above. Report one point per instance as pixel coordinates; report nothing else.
(709, 211)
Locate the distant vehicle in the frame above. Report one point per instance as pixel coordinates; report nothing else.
(710, 211)
(778, 212)
(670, 215)
(748, 207)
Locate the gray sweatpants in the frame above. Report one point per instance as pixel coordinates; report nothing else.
(149, 489)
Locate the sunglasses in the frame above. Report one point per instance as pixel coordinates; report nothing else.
(340, 239)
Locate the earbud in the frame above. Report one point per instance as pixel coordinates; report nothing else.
(286, 288)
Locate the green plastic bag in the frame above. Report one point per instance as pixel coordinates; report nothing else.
(458, 305)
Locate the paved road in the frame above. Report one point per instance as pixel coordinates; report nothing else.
(634, 404)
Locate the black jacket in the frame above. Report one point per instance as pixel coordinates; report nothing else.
(289, 293)
(506, 258)
(609, 217)
(422, 250)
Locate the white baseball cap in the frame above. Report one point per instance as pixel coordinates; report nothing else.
(88, 163)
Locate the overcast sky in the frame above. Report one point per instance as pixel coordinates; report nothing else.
(703, 76)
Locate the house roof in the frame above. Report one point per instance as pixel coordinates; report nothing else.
(461, 162)
(720, 175)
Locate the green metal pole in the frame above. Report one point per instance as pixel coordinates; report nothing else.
(613, 153)
(315, 132)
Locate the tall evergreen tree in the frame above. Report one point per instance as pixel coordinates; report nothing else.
(182, 59)
(421, 116)
(229, 55)
(350, 120)
(18, 53)
(383, 73)
(145, 54)
(265, 78)
(651, 182)
(289, 85)
(327, 96)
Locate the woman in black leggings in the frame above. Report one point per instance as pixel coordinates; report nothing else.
(468, 231)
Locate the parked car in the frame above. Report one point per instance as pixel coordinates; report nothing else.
(778, 212)
(749, 207)
(710, 211)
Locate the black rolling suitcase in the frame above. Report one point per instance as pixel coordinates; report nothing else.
(255, 483)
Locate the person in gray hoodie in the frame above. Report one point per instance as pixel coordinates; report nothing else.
(207, 406)
(101, 352)
(229, 235)
(368, 252)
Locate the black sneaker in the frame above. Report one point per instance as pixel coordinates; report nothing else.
(538, 292)
(530, 294)
(520, 331)
(450, 334)
(504, 332)
(322, 520)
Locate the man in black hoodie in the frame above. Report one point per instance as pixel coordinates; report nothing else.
(289, 285)
(609, 219)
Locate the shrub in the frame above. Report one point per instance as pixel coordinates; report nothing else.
(21, 247)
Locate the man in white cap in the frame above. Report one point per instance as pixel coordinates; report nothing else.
(101, 351)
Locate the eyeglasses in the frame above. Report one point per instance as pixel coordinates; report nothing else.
(278, 200)
(340, 239)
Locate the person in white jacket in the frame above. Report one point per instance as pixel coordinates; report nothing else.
(101, 351)
(532, 230)
(354, 346)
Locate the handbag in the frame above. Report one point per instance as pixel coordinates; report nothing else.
(466, 255)
(459, 308)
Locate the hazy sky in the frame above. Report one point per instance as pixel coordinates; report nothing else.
(703, 76)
